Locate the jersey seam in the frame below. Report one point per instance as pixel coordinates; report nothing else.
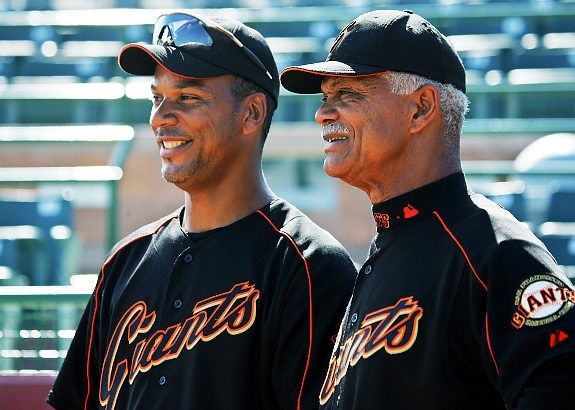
(300, 254)
(462, 249)
(477, 277)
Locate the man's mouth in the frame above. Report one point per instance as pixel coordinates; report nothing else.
(173, 144)
(333, 132)
(334, 138)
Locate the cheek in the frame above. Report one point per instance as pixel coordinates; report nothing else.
(379, 137)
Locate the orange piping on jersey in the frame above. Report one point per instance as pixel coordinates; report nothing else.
(462, 250)
(97, 290)
(489, 343)
(310, 305)
(100, 281)
(478, 279)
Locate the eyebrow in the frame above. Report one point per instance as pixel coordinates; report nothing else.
(368, 82)
(332, 81)
(192, 82)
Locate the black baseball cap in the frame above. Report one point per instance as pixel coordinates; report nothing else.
(199, 47)
(379, 41)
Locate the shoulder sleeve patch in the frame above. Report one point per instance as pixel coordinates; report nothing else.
(541, 299)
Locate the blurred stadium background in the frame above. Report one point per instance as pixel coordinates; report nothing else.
(79, 169)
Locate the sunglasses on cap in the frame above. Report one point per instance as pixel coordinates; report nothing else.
(178, 29)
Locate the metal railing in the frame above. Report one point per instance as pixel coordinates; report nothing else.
(37, 324)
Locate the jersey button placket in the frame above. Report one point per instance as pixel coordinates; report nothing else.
(352, 320)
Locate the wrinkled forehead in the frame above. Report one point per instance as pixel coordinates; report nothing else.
(372, 81)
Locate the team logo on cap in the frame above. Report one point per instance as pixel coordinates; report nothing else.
(339, 38)
(541, 299)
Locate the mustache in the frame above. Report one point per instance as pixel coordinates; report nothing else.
(171, 132)
(333, 128)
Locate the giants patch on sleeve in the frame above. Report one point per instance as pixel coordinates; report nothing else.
(541, 299)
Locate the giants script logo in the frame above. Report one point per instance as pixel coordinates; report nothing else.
(393, 328)
(233, 311)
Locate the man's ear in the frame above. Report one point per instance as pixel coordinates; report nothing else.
(426, 108)
(255, 113)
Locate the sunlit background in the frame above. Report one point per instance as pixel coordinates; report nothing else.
(79, 168)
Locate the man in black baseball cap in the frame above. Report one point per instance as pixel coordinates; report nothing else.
(459, 305)
(200, 47)
(382, 41)
(230, 301)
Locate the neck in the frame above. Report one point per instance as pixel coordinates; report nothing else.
(408, 182)
(224, 205)
(424, 170)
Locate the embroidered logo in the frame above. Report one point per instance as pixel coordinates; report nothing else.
(409, 211)
(381, 219)
(392, 328)
(557, 337)
(339, 38)
(541, 299)
(233, 312)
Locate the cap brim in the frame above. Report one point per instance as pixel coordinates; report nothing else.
(306, 79)
(142, 59)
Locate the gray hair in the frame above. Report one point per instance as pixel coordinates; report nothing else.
(454, 103)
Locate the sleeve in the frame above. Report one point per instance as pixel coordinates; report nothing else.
(530, 322)
(550, 386)
(321, 281)
(76, 383)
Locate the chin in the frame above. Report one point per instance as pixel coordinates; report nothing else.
(176, 174)
(173, 178)
(333, 170)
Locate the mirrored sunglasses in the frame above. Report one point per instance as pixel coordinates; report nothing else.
(178, 29)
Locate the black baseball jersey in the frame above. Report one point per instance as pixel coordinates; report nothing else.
(240, 317)
(457, 305)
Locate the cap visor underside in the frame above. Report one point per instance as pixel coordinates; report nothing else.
(141, 59)
(306, 79)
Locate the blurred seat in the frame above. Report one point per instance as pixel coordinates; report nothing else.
(509, 195)
(561, 206)
(561, 245)
(22, 255)
(85, 148)
(547, 165)
(558, 233)
(37, 239)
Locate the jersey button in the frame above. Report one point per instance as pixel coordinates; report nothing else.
(354, 318)
(367, 269)
(188, 258)
(162, 380)
(178, 303)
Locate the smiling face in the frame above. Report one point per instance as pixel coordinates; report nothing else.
(366, 129)
(196, 128)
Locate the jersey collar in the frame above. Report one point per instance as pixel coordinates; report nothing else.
(413, 205)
